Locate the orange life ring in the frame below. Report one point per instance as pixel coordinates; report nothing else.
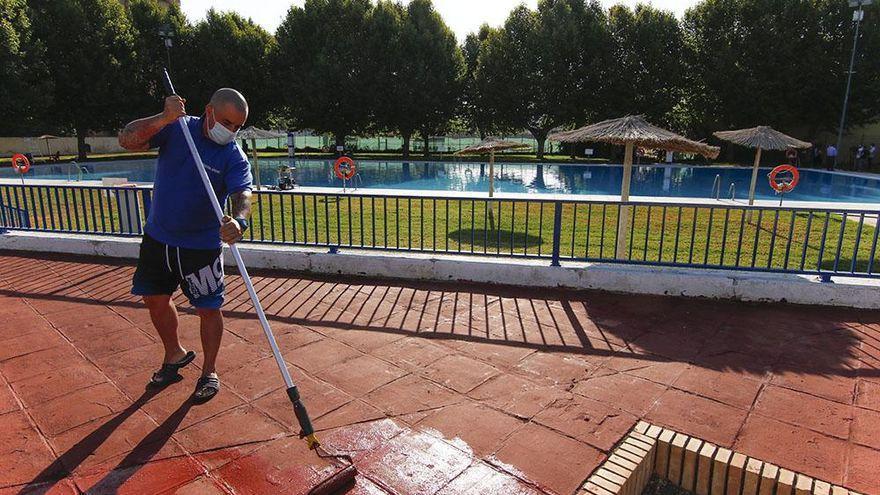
(786, 185)
(344, 168)
(25, 163)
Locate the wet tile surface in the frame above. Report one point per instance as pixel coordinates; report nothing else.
(432, 388)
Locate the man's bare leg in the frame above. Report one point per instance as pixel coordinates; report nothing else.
(212, 333)
(164, 316)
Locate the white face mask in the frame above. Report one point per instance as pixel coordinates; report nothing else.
(219, 133)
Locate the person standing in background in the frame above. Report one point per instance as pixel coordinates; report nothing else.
(830, 156)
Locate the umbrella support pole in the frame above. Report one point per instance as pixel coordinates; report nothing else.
(491, 173)
(256, 163)
(754, 182)
(625, 214)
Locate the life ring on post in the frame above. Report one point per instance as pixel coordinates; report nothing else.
(344, 168)
(784, 186)
(20, 163)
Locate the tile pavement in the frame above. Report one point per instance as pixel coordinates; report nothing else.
(433, 388)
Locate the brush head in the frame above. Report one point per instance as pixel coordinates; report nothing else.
(342, 481)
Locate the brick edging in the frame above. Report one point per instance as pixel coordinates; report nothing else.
(696, 466)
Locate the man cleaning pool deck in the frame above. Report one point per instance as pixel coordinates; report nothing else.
(182, 243)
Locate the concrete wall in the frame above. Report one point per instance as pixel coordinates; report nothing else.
(65, 145)
(715, 284)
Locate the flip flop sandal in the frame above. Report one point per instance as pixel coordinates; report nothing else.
(206, 388)
(168, 373)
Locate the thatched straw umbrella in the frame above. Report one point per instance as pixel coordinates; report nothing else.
(46, 138)
(632, 131)
(763, 138)
(490, 146)
(253, 134)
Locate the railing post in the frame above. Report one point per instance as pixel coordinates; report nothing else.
(148, 201)
(557, 232)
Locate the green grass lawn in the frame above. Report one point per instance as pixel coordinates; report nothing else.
(703, 235)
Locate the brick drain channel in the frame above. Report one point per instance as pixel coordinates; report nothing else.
(695, 466)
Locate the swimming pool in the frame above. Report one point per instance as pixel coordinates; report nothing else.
(649, 180)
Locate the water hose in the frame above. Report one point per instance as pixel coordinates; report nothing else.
(345, 477)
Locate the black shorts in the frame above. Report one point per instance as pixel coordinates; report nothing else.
(198, 272)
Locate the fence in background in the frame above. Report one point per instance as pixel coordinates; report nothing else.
(823, 241)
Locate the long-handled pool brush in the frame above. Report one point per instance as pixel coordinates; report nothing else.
(345, 477)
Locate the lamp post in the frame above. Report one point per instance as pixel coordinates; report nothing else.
(167, 35)
(858, 16)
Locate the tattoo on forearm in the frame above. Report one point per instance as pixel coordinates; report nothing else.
(136, 135)
(241, 204)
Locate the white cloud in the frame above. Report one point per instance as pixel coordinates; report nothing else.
(463, 16)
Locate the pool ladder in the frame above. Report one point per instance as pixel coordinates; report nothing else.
(716, 189)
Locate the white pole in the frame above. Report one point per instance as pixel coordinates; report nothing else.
(491, 173)
(754, 177)
(256, 163)
(625, 211)
(235, 254)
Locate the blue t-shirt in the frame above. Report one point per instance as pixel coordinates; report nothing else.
(181, 214)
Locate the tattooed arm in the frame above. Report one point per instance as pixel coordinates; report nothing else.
(136, 135)
(231, 232)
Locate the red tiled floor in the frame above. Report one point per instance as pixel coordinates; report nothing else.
(283, 466)
(427, 378)
(23, 453)
(361, 375)
(548, 458)
(414, 462)
(460, 373)
(154, 477)
(482, 479)
(58, 415)
(694, 415)
(516, 395)
(793, 447)
(862, 474)
(821, 415)
(868, 395)
(866, 428)
(482, 429)
(632, 394)
(589, 421)
(410, 394)
(58, 382)
(728, 387)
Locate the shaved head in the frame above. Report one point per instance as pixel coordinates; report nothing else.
(229, 96)
(228, 108)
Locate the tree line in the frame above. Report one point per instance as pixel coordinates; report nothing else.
(360, 67)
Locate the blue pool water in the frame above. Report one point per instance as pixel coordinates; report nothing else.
(650, 180)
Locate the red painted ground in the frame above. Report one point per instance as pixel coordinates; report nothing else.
(444, 389)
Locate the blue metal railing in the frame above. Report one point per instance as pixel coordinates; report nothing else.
(816, 240)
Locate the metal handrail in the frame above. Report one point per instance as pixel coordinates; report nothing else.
(716, 187)
(732, 191)
(813, 239)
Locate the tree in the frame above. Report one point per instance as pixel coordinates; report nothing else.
(781, 63)
(417, 85)
(321, 66)
(647, 74)
(90, 50)
(228, 50)
(546, 66)
(148, 17)
(25, 88)
(476, 98)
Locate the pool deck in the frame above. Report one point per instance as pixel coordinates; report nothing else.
(433, 388)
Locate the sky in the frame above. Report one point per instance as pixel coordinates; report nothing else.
(463, 16)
